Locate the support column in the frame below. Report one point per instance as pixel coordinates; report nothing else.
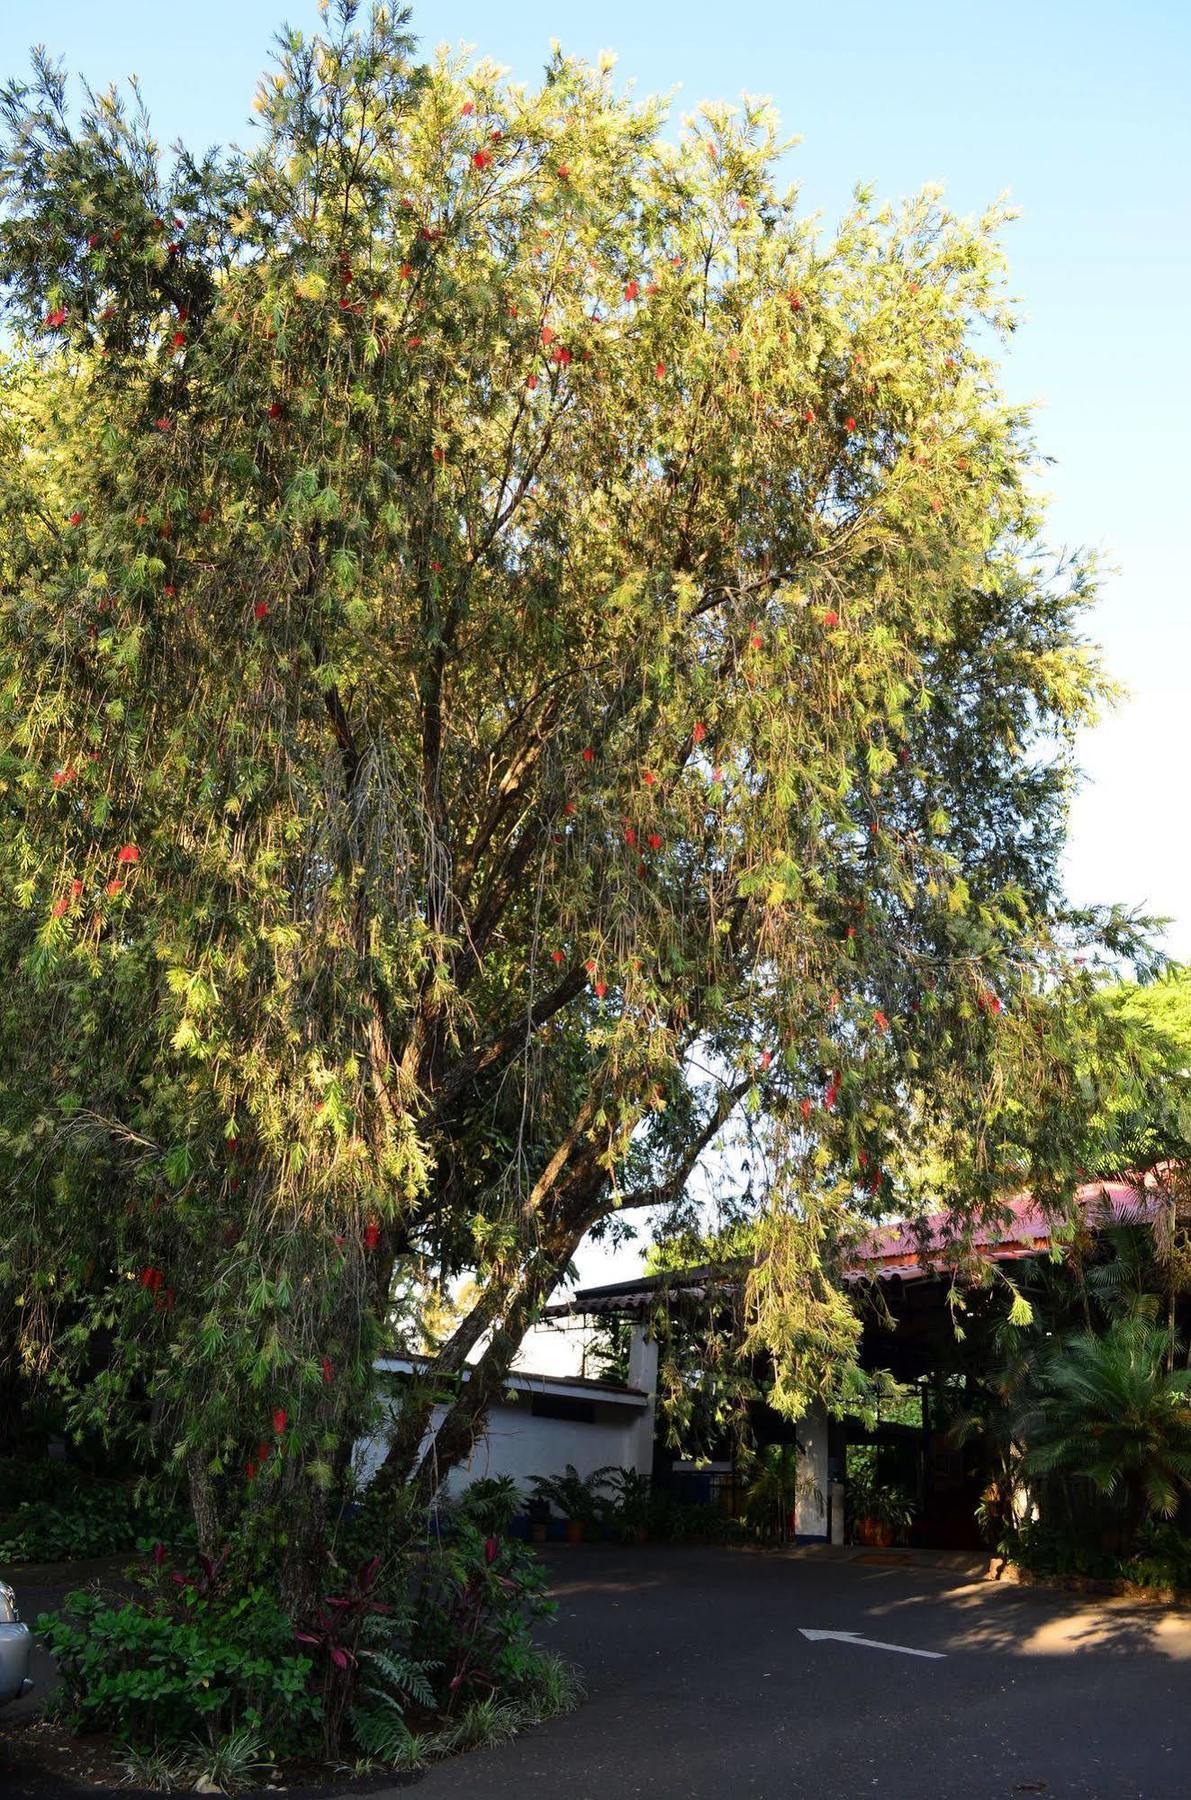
(810, 1511)
(643, 1374)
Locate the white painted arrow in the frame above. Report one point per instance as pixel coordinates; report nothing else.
(851, 1637)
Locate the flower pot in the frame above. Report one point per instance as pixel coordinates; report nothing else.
(874, 1533)
(574, 1531)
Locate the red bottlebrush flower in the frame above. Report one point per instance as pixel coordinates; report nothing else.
(600, 989)
(851, 931)
(261, 610)
(561, 355)
(76, 518)
(113, 888)
(438, 454)
(849, 423)
(60, 906)
(880, 1021)
(482, 158)
(250, 1470)
(659, 370)
(494, 137)
(56, 318)
(548, 334)
(60, 777)
(756, 641)
(468, 107)
(169, 591)
(405, 271)
(806, 1108)
(165, 1301)
(76, 889)
(699, 732)
(630, 836)
(631, 291)
(164, 424)
(262, 1453)
(655, 842)
(274, 409)
(204, 515)
(648, 777)
(831, 620)
(766, 1058)
(569, 808)
(412, 343)
(279, 1420)
(328, 1369)
(183, 314)
(651, 288)
(128, 854)
(809, 416)
(556, 956)
(93, 240)
(532, 382)
(795, 302)
(564, 170)
(371, 1235)
(151, 1279)
(179, 340)
(831, 1095)
(490, 1548)
(590, 965)
(589, 755)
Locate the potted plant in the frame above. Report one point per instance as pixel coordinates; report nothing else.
(538, 1513)
(629, 1511)
(576, 1499)
(880, 1511)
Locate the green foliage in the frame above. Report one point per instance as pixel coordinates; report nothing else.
(1104, 1408)
(870, 1496)
(577, 1497)
(92, 1518)
(202, 1667)
(519, 655)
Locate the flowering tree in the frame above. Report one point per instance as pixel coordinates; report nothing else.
(516, 653)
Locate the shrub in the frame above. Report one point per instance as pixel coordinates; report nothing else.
(156, 1671)
(92, 1518)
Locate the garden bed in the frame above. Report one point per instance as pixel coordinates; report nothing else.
(41, 1761)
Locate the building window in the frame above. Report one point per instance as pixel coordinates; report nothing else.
(562, 1406)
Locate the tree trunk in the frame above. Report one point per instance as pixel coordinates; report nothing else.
(202, 1504)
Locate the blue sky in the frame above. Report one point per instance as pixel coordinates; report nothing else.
(1080, 111)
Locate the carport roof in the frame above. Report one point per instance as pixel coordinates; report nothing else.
(905, 1250)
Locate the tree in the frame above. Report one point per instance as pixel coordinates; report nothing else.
(1105, 1409)
(516, 654)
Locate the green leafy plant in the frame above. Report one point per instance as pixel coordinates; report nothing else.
(1104, 1409)
(580, 1499)
(96, 1519)
(158, 1672)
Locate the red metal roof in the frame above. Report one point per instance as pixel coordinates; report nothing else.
(909, 1250)
(916, 1249)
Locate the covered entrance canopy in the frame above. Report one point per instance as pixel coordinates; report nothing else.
(904, 1278)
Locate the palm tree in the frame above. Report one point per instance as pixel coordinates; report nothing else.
(1105, 1407)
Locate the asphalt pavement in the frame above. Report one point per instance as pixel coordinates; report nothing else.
(703, 1686)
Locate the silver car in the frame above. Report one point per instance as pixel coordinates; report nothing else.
(16, 1644)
